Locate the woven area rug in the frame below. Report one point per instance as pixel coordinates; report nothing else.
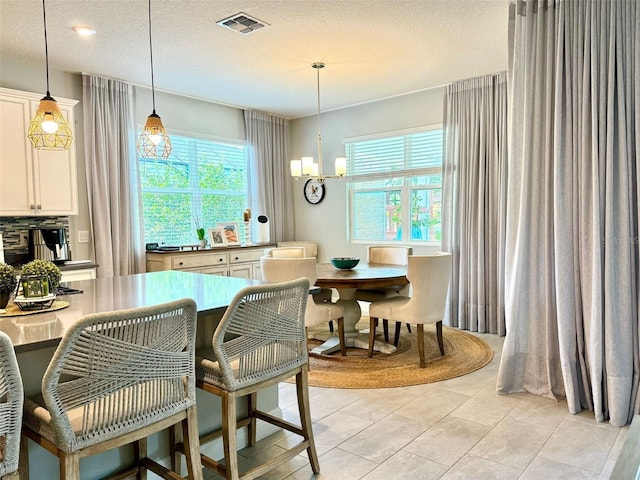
(464, 353)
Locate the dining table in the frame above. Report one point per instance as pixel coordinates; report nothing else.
(346, 282)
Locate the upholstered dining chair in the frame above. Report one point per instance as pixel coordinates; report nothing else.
(259, 342)
(285, 252)
(283, 269)
(310, 250)
(391, 255)
(11, 401)
(429, 277)
(116, 378)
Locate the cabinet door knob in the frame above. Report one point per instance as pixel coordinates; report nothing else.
(221, 260)
(236, 258)
(39, 207)
(180, 263)
(32, 207)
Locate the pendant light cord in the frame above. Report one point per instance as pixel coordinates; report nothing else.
(153, 89)
(46, 48)
(318, 66)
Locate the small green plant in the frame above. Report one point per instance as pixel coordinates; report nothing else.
(8, 278)
(43, 267)
(199, 229)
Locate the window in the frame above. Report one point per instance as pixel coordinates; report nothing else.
(202, 181)
(395, 187)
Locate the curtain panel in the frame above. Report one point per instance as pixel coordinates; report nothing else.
(474, 198)
(270, 185)
(112, 173)
(571, 253)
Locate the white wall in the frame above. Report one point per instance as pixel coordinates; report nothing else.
(326, 223)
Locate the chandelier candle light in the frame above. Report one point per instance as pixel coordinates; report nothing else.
(306, 167)
(48, 129)
(153, 141)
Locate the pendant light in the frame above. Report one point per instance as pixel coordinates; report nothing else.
(48, 129)
(306, 167)
(153, 142)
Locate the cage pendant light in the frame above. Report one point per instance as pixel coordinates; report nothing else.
(153, 142)
(49, 129)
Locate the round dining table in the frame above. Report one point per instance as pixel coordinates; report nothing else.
(346, 282)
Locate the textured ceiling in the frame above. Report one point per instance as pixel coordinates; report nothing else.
(372, 49)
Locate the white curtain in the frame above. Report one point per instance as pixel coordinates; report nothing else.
(571, 257)
(112, 172)
(474, 200)
(268, 141)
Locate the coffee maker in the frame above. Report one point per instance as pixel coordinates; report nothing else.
(49, 244)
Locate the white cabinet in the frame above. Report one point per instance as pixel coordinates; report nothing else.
(34, 182)
(236, 262)
(79, 274)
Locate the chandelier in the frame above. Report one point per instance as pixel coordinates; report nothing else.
(306, 167)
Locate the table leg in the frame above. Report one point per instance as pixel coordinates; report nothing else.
(353, 337)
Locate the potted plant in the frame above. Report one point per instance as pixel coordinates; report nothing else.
(43, 267)
(200, 232)
(8, 281)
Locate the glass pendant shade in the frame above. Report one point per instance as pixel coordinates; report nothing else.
(154, 142)
(48, 129)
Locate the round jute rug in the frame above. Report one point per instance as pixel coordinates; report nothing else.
(464, 353)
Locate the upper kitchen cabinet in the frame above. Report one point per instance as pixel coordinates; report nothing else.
(34, 182)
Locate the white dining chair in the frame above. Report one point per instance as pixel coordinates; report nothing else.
(429, 277)
(11, 401)
(285, 252)
(389, 255)
(283, 269)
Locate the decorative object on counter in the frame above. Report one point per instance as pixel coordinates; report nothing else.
(153, 142)
(230, 230)
(201, 233)
(263, 229)
(8, 282)
(247, 227)
(34, 286)
(48, 129)
(345, 263)
(217, 237)
(43, 267)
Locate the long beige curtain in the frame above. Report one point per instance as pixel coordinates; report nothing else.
(571, 298)
(113, 185)
(474, 200)
(268, 142)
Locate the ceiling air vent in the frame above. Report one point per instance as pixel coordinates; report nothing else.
(242, 23)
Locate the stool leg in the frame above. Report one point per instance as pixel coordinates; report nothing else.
(23, 462)
(191, 443)
(252, 402)
(140, 452)
(302, 388)
(70, 466)
(229, 436)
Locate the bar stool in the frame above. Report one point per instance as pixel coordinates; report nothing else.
(11, 401)
(259, 342)
(116, 378)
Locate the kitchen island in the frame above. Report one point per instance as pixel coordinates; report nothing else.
(36, 336)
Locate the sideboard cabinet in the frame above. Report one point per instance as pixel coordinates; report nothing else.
(34, 182)
(243, 262)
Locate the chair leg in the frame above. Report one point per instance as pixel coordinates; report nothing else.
(331, 326)
(23, 461)
(191, 444)
(385, 329)
(140, 452)
(229, 436)
(173, 452)
(420, 335)
(409, 327)
(373, 321)
(396, 335)
(302, 388)
(343, 347)
(70, 466)
(439, 335)
(252, 403)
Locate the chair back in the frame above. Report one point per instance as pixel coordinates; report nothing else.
(116, 372)
(283, 269)
(262, 333)
(11, 401)
(285, 252)
(389, 254)
(429, 277)
(310, 248)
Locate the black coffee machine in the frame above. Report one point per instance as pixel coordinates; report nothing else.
(49, 244)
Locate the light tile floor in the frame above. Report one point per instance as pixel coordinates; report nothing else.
(456, 429)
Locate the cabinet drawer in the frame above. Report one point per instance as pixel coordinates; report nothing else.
(191, 261)
(241, 257)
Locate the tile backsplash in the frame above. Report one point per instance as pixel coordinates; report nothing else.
(12, 227)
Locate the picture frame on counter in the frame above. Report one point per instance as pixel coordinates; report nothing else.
(217, 238)
(231, 232)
